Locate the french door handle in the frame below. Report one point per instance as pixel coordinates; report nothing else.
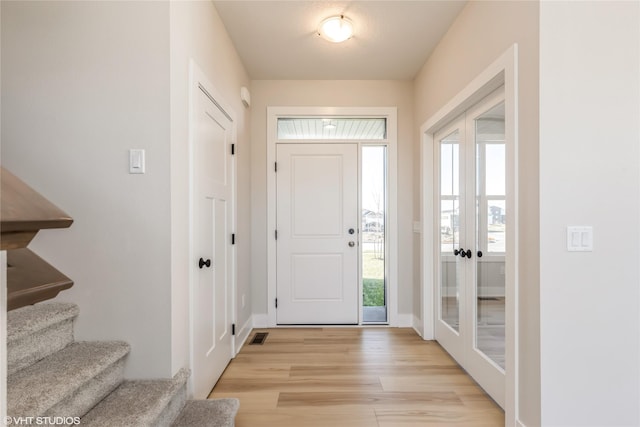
(468, 253)
(456, 252)
(462, 253)
(203, 263)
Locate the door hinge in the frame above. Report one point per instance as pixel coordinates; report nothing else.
(275, 166)
(276, 302)
(233, 149)
(276, 234)
(233, 329)
(233, 239)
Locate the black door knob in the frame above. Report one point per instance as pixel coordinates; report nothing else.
(203, 263)
(351, 231)
(468, 253)
(456, 252)
(463, 254)
(479, 254)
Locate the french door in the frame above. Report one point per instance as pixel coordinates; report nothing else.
(472, 225)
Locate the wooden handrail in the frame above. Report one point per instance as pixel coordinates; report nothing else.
(24, 211)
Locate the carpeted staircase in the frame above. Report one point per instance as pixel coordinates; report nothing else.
(50, 375)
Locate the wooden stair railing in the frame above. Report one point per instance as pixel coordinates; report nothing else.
(24, 212)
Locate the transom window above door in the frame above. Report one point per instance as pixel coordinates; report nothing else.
(339, 128)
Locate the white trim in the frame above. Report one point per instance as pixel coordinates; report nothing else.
(197, 82)
(417, 325)
(392, 231)
(502, 71)
(243, 334)
(260, 321)
(520, 423)
(3, 334)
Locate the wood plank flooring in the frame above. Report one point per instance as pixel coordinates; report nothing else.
(352, 377)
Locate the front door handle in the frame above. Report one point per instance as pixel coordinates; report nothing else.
(203, 263)
(352, 244)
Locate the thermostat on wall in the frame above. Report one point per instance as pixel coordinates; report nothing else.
(245, 96)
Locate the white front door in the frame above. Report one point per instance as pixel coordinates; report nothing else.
(213, 202)
(317, 240)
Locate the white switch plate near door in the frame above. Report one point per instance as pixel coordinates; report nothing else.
(579, 239)
(136, 160)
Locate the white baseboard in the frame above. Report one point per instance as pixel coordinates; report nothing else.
(243, 334)
(404, 320)
(260, 320)
(417, 326)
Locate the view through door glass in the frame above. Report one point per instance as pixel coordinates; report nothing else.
(374, 290)
(491, 234)
(450, 267)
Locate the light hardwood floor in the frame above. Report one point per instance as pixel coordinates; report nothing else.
(352, 377)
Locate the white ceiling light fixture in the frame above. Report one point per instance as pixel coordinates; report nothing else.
(336, 29)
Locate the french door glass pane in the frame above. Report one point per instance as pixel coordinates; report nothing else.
(490, 234)
(449, 229)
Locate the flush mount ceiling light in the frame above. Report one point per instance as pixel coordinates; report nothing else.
(336, 29)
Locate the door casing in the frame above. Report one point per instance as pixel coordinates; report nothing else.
(390, 113)
(503, 71)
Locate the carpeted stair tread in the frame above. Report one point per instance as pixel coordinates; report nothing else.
(208, 413)
(35, 332)
(140, 403)
(56, 379)
(30, 319)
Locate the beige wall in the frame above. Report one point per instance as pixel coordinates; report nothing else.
(197, 32)
(343, 93)
(590, 175)
(480, 34)
(82, 83)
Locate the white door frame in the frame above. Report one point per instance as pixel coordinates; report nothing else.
(197, 82)
(503, 71)
(391, 141)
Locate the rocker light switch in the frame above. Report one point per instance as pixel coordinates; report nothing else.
(579, 239)
(136, 160)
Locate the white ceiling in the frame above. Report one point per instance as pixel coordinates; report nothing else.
(392, 40)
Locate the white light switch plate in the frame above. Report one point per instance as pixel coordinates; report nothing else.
(579, 239)
(136, 160)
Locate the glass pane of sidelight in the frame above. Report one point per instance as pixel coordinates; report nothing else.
(373, 222)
